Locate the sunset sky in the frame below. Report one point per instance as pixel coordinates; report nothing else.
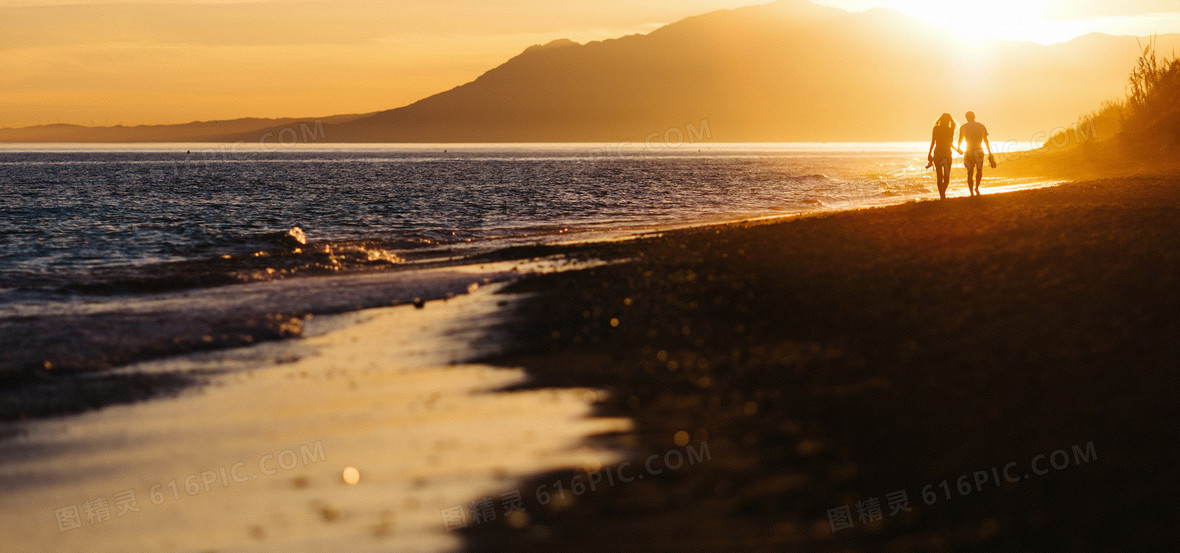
(133, 62)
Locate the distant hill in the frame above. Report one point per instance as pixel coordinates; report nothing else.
(197, 131)
(788, 71)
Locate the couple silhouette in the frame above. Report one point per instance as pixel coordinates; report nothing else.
(942, 142)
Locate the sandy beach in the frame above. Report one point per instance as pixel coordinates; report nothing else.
(978, 374)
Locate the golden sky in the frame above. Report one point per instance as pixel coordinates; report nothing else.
(148, 61)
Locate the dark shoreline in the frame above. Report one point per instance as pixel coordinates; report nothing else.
(842, 357)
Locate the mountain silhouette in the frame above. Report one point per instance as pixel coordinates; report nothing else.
(197, 131)
(788, 71)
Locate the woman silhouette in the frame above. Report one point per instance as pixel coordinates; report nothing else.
(941, 143)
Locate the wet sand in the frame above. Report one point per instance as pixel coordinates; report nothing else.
(257, 459)
(1006, 364)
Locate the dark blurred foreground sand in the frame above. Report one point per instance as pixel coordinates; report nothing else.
(1007, 363)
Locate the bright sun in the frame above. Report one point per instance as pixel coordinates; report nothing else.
(1026, 20)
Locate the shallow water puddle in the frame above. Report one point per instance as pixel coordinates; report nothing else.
(365, 436)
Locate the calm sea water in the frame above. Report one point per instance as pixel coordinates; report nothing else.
(89, 234)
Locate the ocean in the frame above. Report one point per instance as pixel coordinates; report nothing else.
(113, 253)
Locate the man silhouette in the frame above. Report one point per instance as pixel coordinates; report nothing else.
(976, 136)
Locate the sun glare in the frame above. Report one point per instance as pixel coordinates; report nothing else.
(1023, 20)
